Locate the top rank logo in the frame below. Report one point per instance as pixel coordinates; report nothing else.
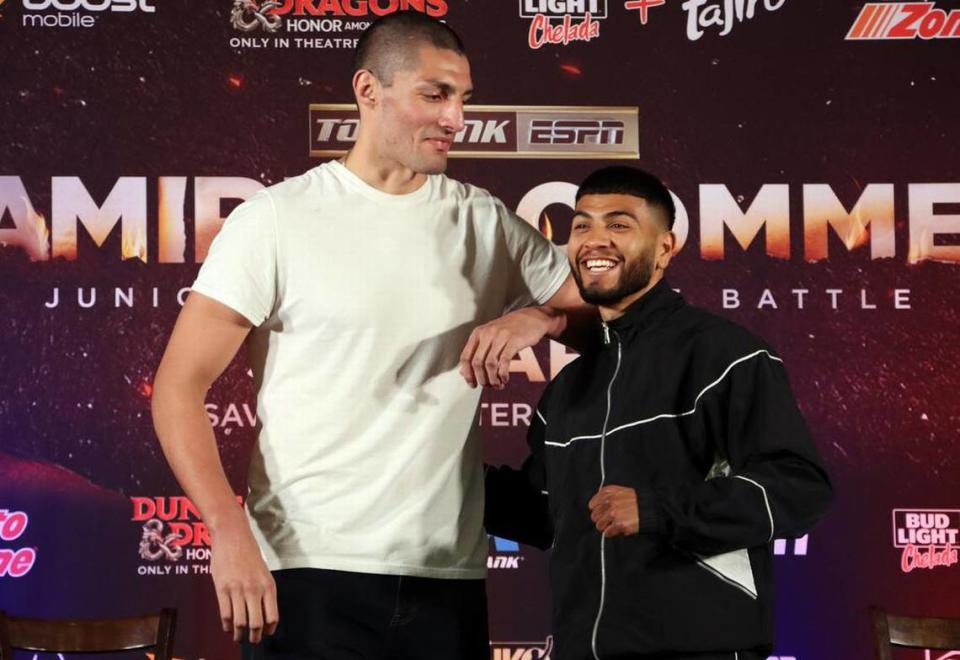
(904, 20)
(543, 29)
(500, 131)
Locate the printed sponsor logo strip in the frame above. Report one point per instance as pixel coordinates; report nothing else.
(904, 21)
(502, 131)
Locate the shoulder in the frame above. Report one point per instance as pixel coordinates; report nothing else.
(467, 195)
(718, 341)
(321, 178)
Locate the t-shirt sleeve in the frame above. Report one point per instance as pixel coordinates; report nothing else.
(541, 265)
(240, 270)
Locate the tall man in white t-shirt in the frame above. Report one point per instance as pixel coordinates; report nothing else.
(358, 288)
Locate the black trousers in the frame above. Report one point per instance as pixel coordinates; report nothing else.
(337, 615)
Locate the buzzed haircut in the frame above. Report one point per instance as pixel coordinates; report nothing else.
(392, 42)
(624, 180)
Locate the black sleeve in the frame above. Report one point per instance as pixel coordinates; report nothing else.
(516, 500)
(773, 483)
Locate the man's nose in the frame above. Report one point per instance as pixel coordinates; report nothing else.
(452, 117)
(597, 236)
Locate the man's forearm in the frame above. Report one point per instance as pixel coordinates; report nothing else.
(578, 328)
(190, 447)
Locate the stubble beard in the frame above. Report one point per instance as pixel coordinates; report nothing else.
(634, 277)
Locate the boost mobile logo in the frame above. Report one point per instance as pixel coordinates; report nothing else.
(904, 20)
(501, 131)
(76, 13)
(90, 5)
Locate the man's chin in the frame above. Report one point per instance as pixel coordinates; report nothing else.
(599, 296)
(433, 165)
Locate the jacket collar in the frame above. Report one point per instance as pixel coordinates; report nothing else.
(653, 306)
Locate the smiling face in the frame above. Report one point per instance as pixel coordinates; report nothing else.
(619, 246)
(419, 114)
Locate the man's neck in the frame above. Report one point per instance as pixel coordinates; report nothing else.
(619, 308)
(381, 173)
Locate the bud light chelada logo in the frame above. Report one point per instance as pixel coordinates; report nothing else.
(560, 22)
(14, 562)
(928, 537)
(522, 650)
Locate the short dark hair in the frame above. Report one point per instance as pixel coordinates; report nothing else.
(391, 43)
(624, 180)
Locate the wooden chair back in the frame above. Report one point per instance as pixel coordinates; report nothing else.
(891, 630)
(89, 635)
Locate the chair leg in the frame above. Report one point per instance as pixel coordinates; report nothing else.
(167, 628)
(881, 634)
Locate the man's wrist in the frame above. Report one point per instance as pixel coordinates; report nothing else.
(229, 521)
(555, 319)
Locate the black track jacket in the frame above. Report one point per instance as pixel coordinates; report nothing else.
(695, 414)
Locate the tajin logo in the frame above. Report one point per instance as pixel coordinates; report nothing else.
(928, 537)
(15, 563)
(725, 15)
(905, 20)
(504, 132)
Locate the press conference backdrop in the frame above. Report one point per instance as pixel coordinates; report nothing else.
(811, 146)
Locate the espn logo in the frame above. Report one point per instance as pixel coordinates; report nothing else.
(504, 131)
(576, 131)
(905, 20)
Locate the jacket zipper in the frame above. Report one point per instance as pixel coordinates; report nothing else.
(603, 481)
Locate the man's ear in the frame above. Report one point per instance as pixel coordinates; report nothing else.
(666, 246)
(366, 89)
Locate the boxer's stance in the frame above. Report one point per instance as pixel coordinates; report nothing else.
(355, 287)
(664, 464)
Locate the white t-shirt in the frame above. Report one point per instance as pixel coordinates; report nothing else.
(368, 458)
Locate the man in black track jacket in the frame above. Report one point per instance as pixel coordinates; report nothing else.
(664, 463)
